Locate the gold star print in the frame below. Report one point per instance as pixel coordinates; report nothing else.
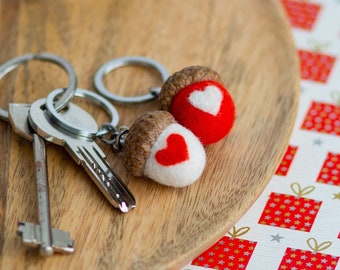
(336, 196)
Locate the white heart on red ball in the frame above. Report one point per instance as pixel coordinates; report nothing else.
(206, 108)
(209, 100)
(177, 157)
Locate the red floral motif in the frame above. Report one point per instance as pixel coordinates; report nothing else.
(289, 211)
(323, 117)
(330, 171)
(228, 252)
(305, 259)
(286, 161)
(315, 66)
(301, 14)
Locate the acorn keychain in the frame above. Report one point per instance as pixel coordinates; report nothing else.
(159, 148)
(198, 100)
(195, 96)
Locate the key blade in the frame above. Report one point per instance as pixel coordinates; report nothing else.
(84, 151)
(43, 195)
(95, 164)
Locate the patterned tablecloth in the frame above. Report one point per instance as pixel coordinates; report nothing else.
(295, 223)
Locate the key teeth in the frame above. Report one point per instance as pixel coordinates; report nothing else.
(106, 179)
(20, 229)
(26, 231)
(62, 242)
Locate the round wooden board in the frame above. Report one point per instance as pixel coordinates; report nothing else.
(248, 42)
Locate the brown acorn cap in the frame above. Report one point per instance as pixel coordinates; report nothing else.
(183, 78)
(141, 137)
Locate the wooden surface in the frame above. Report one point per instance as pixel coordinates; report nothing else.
(247, 42)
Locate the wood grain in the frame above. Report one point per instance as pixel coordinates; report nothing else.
(247, 42)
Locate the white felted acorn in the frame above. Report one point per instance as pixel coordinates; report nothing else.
(159, 148)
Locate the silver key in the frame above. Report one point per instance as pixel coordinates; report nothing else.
(84, 151)
(48, 239)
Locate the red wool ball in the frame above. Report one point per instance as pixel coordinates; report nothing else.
(206, 108)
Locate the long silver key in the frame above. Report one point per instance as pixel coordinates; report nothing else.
(84, 151)
(42, 235)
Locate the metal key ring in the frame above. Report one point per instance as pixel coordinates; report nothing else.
(125, 61)
(58, 119)
(72, 77)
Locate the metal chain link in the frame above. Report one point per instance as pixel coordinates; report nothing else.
(116, 136)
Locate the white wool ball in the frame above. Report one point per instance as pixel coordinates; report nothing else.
(177, 158)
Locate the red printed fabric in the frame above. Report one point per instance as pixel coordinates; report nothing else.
(291, 212)
(285, 224)
(330, 171)
(315, 66)
(301, 14)
(304, 259)
(227, 253)
(323, 117)
(286, 161)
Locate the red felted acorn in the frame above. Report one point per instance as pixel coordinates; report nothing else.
(159, 148)
(198, 100)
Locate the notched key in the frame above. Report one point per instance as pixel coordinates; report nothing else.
(84, 151)
(95, 164)
(42, 235)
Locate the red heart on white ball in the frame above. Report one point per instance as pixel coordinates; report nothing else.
(175, 152)
(177, 157)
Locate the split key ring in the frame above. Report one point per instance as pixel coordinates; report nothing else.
(71, 127)
(126, 61)
(69, 91)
